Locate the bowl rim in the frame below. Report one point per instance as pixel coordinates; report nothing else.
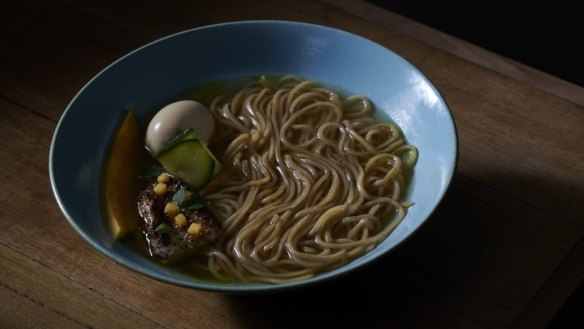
(250, 288)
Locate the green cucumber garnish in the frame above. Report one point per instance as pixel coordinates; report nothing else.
(190, 161)
(184, 136)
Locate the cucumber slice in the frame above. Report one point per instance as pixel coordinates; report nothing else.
(218, 165)
(190, 161)
(184, 136)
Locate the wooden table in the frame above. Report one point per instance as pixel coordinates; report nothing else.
(504, 250)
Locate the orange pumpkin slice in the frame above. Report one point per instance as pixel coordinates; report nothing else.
(120, 181)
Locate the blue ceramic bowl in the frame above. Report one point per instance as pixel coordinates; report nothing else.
(157, 73)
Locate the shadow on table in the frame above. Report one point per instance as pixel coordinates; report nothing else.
(472, 265)
(366, 299)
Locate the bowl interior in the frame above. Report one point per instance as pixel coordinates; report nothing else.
(158, 73)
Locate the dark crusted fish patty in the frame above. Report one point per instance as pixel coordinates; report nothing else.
(170, 238)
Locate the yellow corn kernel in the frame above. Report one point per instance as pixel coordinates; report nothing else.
(194, 230)
(171, 209)
(180, 220)
(160, 189)
(163, 178)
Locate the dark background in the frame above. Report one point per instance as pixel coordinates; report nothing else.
(546, 35)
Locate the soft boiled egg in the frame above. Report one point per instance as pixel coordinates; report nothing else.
(175, 118)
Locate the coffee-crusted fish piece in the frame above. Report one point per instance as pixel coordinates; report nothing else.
(167, 240)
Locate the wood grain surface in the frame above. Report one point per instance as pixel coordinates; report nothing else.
(504, 250)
